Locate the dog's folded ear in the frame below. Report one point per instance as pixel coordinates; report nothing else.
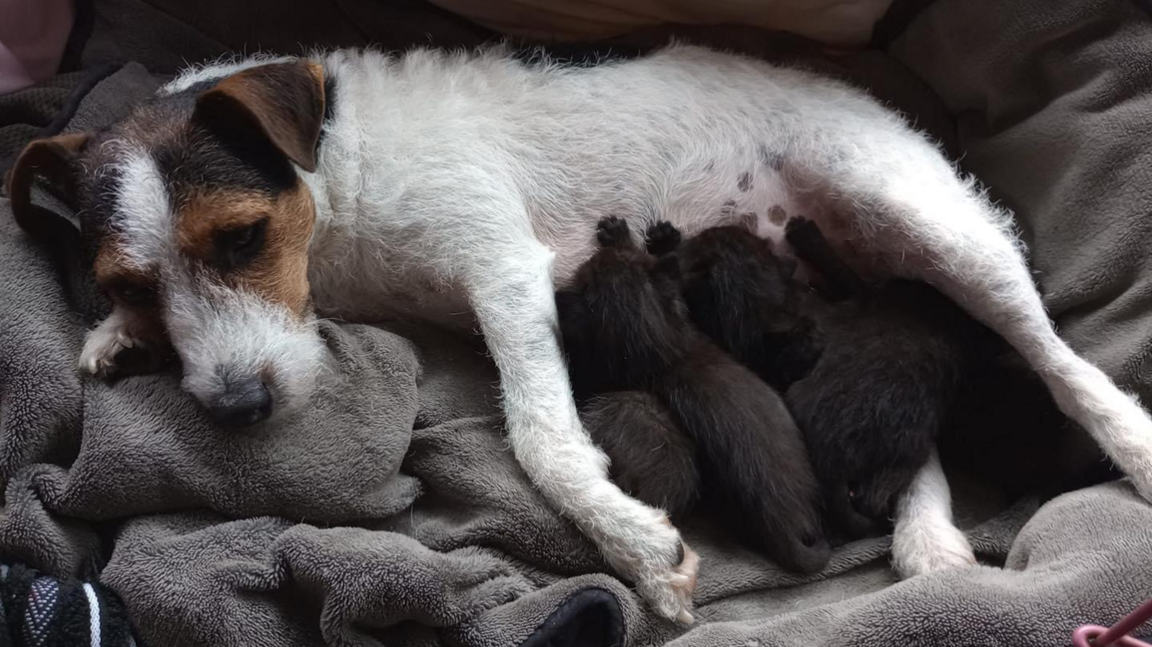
(52, 160)
(285, 101)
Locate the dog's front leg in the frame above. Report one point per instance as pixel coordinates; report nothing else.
(123, 344)
(512, 295)
(925, 539)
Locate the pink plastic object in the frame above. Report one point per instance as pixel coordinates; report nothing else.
(33, 35)
(1117, 634)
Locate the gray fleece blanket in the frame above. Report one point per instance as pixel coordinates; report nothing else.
(391, 512)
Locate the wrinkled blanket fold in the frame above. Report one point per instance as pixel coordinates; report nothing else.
(391, 510)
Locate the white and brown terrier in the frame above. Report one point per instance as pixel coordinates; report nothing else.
(249, 197)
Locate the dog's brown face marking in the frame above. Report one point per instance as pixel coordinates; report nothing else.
(197, 223)
(252, 241)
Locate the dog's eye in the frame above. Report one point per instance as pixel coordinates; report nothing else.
(236, 247)
(135, 295)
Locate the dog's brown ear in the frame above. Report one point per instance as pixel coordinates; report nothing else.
(52, 159)
(284, 100)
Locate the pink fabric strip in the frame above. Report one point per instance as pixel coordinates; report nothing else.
(1117, 634)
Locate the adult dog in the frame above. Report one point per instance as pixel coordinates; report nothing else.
(463, 187)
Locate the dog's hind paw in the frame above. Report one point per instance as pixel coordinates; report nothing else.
(928, 545)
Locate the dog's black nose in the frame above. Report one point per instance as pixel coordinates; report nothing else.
(245, 403)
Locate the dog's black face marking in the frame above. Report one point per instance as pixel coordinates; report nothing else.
(626, 329)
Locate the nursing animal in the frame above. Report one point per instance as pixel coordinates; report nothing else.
(248, 197)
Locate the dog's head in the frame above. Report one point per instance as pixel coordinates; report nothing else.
(197, 223)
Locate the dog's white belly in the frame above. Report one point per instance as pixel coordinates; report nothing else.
(733, 191)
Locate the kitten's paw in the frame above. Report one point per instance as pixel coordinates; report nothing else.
(612, 231)
(800, 227)
(929, 544)
(662, 238)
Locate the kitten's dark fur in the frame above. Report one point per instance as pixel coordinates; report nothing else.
(878, 371)
(626, 328)
(883, 373)
(651, 458)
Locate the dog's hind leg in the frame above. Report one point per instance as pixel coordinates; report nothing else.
(511, 291)
(923, 221)
(925, 538)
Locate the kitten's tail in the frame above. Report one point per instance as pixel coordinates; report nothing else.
(754, 454)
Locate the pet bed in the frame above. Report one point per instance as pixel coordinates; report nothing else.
(392, 512)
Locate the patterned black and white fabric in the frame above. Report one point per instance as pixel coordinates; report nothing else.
(38, 610)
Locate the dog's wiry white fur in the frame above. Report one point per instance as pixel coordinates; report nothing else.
(453, 185)
(146, 222)
(218, 69)
(263, 339)
(925, 539)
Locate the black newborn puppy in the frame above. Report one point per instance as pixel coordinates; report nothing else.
(625, 328)
(878, 370)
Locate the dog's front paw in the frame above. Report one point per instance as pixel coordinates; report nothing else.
(668, 589)
(101, 348)
(660, 564)
(112, 351)
(663, 238)
(929, 544)
(612, 231)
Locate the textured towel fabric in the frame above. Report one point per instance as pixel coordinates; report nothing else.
(391, 511)
(1052, 113)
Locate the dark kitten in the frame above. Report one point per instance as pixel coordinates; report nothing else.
(651, 458)
(741, 294)
(879, 370)
(625, 328)
(1008, 432)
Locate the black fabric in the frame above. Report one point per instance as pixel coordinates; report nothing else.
(69, 614)
(589, 618)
